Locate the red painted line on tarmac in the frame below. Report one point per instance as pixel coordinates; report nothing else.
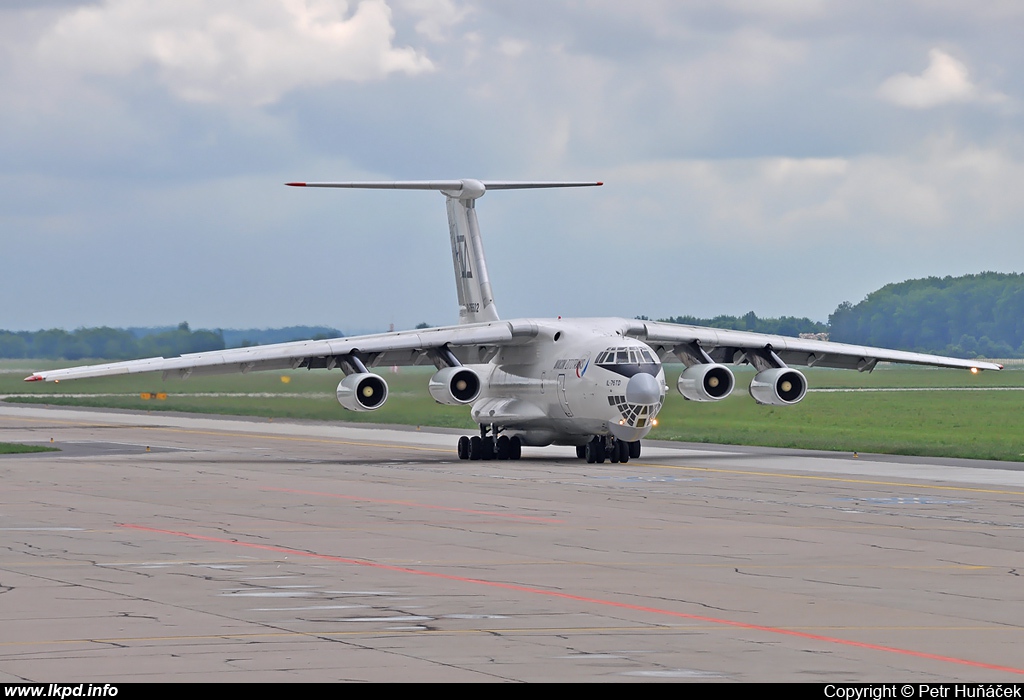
(494, 514)
(582, 599)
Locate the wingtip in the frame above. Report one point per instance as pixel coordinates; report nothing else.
(34, 378)
(295, 184)
(599, 184)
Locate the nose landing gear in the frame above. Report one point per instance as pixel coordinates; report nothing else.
(601, 448)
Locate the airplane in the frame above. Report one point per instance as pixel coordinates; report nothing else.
(594, 383)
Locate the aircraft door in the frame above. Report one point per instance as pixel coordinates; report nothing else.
(562, 399)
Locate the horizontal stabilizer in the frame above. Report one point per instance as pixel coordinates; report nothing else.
(445, 185)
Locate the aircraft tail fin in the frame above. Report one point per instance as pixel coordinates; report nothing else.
(476, 300)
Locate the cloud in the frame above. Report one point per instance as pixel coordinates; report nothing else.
(926, 198)
(944, 81)
(250, 53)
(435, 18)
(754, 133)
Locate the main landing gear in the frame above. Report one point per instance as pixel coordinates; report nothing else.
(601, 448)
(489, 445)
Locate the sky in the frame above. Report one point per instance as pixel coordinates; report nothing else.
(779, 156)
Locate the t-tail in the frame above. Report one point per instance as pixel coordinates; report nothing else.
(476, 300)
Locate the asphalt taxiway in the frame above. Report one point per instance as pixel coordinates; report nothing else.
(162, 547)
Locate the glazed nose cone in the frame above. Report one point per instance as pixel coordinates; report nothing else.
(643, 389)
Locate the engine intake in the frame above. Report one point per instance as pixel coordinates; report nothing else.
(362, 392)
(709, 382)
(781, 386)
(455, 386)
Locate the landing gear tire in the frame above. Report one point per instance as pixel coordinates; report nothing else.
(623, 448)
(463, 447)
(595, 451)
(487, 447)
(476, 447)
(634, 450)
(515, 447)
(503, 448)
(581, 451)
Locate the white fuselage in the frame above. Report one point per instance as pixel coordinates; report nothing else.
(575, 379)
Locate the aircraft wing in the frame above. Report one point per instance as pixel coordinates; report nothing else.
(470, 344)
(729, 346)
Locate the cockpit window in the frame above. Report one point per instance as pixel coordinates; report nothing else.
(624, 356)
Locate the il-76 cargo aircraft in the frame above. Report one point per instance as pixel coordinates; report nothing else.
(596, 383)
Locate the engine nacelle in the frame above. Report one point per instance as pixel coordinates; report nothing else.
(781, 386)
(455, 386)
(710, 382)
(362, 392)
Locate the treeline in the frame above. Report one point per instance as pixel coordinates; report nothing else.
(265, 336)
(785, 325)
(970, 316)
(106, 343)
(132, 343)
(245, 337)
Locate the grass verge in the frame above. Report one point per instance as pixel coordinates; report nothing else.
(13, 448)
(938, 419)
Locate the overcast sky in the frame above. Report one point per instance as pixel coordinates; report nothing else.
(780, 156)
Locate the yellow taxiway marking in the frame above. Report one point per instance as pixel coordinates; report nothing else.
(228, 433)
(297, 438)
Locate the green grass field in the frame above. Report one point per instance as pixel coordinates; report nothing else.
(13, 448)
(940, 420)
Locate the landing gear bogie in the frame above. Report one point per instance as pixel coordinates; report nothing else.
(490, 445)
(601, 448)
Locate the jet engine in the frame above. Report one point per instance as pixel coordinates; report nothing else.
(708, 382)
(781, 386)
(362, 392)
(455, 386)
